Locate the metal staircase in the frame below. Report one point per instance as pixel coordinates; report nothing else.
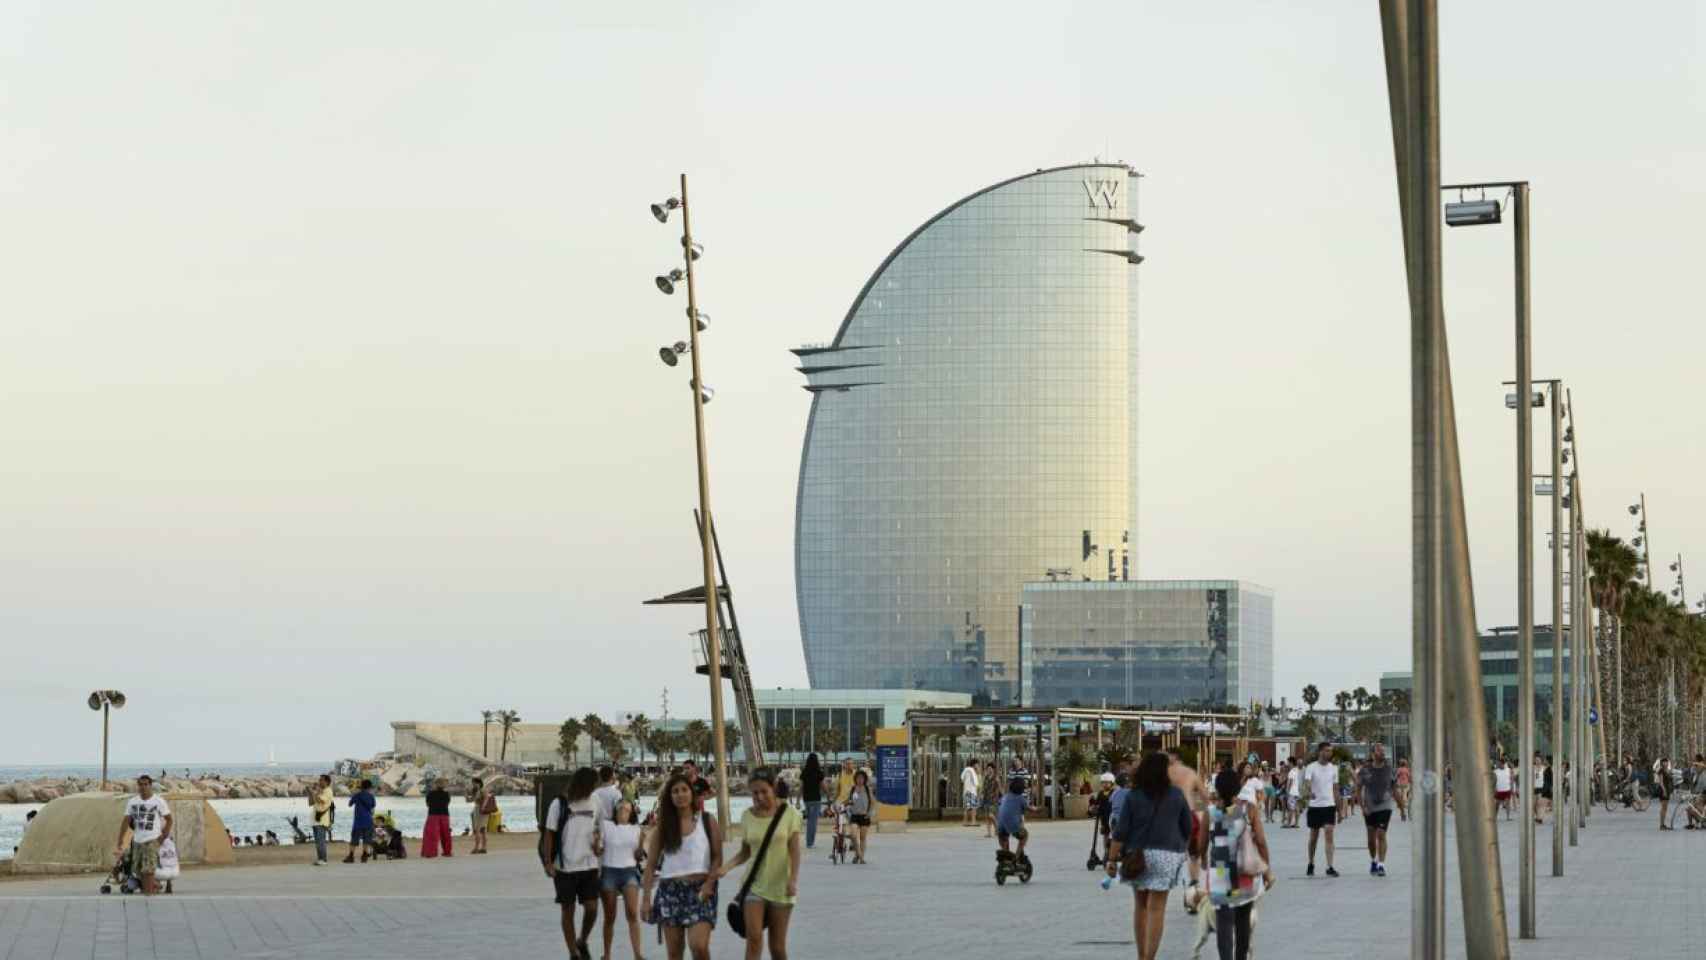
(734, 663)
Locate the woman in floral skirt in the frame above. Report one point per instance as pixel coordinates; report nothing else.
(684, 854)
(1156, 819)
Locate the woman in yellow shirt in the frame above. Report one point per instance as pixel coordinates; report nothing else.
(774, 879)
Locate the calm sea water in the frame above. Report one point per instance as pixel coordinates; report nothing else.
(252, 817)
(130, 771)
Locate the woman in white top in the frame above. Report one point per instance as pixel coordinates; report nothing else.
(685, 853)
(621, 874)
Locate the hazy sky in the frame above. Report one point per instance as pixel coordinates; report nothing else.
(328, 337)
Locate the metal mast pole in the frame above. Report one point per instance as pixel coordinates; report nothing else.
(1427, 742)
(106, 715)
(1573, 751)
(1524, 562)
(713, 642)
(1444, 609)
(1556, 744)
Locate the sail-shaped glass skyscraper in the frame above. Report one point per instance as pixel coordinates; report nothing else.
(973, 427)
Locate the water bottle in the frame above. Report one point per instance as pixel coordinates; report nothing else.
(1107, 883)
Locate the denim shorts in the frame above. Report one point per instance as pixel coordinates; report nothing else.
(615, 878)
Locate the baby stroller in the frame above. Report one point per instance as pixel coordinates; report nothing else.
(121, 876)
(387, 840)
(128, 881)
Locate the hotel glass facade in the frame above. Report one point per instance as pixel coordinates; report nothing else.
(1148, 643)
(972, 428)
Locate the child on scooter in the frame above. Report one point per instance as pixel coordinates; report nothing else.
(1010, 817)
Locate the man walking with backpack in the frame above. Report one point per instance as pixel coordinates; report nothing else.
(1374, 782)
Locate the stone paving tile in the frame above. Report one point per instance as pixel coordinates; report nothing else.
(1630, 891)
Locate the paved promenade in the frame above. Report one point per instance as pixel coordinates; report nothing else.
(1629, 891)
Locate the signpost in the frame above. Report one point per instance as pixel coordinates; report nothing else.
(893, 761)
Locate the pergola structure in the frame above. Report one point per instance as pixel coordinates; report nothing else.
(1213, 734)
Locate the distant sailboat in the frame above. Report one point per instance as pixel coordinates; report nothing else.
(272, 758)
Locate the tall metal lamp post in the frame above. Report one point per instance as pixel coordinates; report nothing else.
(1445, 654)
(106, 701)
(702, 394)
(1468, 213)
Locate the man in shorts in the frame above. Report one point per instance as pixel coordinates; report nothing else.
(148, 820)
(1322, 778)
(1196, 794)
(1374, 787)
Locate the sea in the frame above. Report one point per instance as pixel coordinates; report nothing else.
(254, 817)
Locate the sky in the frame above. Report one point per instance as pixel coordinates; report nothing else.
(328, 374)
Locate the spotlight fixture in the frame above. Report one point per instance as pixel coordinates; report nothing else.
(667, 282)
(1537, 400)
(1634, 508)
(1472, 213)
(695, 251)
(661, 210)
(705, 393)
(1635, 542)
(700, 317)
(1673, 568)
(671, 355)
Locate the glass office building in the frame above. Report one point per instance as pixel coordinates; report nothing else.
(1147, 643)
(797, 722)
(972, 428)
(1499, 683)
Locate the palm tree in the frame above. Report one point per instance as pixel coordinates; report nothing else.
(1362, 698)
(1612, 565)
(731, 742)
(595, 730)
(660, 741)
(697, 735)
(569, 740)
(639, 728)
(831, 740)
(486, 733)
(782, 739)
(1311, 694)
(507, 720)
(1343, 701)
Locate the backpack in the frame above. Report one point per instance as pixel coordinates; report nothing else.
(1234, 862)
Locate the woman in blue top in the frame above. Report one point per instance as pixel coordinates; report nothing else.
(1154, 818)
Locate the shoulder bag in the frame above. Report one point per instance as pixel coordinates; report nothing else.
(737, 906)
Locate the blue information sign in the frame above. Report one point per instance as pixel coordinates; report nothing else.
(1593, 716)
(893, 766)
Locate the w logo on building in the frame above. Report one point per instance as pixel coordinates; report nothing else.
(1103, 194)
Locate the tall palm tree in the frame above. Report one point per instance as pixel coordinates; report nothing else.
(595, 731)
(569, 740)
(1612, 565)
(1342, 700)
(1362, 698)
(1311, 696)
(507, 721)
(698, 736)
(486, 733)
(639, 728)
(831, 740)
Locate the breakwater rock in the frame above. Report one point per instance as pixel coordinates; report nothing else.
(397, 780)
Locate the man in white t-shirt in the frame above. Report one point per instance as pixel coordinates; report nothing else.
(1293, 793)
(970, 788)
(1322, 779)
(608, 794)
(148, 820)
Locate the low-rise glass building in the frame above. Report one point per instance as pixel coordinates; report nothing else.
(1147, 643)
(1499, 688)
(801, 719)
